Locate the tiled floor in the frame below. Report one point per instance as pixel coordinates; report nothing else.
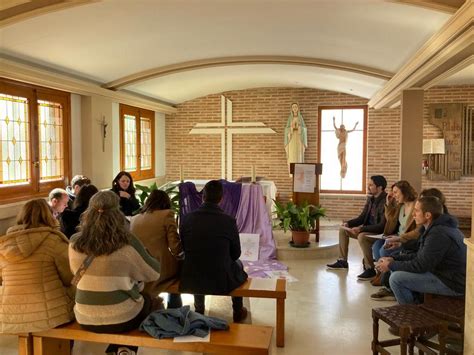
(327, 313)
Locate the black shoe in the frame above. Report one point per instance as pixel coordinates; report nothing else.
(367, 275)
(239, 316)
(338, 265)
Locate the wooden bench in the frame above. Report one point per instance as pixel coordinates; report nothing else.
(25, 344)
(245, 290)
(240, 339)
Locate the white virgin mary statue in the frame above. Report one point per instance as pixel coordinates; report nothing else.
(296, 137)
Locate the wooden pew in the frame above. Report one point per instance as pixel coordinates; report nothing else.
(25, 344)
(245, 290)
(240, 339)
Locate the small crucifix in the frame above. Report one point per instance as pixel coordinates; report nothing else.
(103, 125)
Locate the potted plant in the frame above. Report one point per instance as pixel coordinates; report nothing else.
(300, 219)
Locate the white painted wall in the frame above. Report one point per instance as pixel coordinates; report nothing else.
(114, 134)
(97, 164)
(76, 135)
(160, 145)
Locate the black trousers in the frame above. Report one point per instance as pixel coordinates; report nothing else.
(199, 302)
(237, 302)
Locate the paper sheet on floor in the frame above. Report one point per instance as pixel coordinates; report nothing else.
(263, 284)
(281, 274)
(192, 339)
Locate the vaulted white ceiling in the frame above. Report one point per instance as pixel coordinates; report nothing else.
(106, 41)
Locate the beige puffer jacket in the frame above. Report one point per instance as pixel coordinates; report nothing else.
(35, 291)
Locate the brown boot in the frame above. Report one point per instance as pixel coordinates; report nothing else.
(377, 280)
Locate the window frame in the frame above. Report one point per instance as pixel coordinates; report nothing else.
(137, 174)
(36, 188)
(364, 148)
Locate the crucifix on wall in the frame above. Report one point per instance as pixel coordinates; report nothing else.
(103, 126)
(226, 129)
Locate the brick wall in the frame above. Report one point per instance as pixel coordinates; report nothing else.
(458, 193)
(200, 155)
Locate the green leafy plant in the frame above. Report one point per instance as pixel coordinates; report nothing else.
(298, 217)
(171, 189)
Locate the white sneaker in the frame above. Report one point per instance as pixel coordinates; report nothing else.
(125, 351)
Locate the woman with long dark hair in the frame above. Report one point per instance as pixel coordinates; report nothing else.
(156, 228)
(401, 230)
(34, 268)
(70, 217)
(123, 186)
(113, 264)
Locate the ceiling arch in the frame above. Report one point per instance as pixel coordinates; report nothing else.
(246, 60)
(164, 50)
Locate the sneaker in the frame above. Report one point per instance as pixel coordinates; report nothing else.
(384, 294)
(240, 315)
(125, 351)
(338, 265)
(367, 275)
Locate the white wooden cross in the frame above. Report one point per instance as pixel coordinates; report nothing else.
(226, 129)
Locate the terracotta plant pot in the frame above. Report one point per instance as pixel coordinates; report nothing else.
(300, 238)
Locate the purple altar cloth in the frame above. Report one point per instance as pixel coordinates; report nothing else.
(246, 204)
(191, 199)
(252, 217)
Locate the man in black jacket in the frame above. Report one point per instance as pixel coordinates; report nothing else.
(439, 265)
(211, 246)
(370, 221)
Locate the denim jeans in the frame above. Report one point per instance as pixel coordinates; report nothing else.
(379, 251)
(406, 285)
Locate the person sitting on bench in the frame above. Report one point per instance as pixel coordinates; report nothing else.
(439, 265)
(211, 246)
(156, 228)
(36, 292)
(110, 266)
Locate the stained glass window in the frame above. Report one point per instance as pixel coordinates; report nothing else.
(130, 142)
(15, 140)
(137, 141)
(50, 122)
(34, 140)
(146, 143)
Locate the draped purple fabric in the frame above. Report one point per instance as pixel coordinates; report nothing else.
(243, 202)
(231, 199)
(252, 217)
(190, 199)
